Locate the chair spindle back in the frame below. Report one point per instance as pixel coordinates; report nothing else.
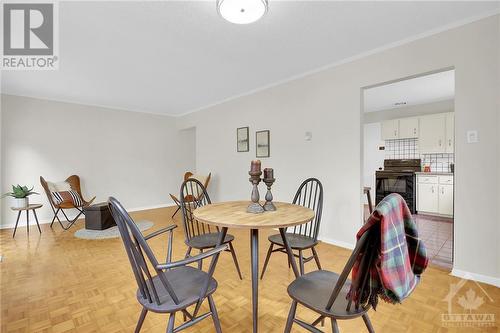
(135, 246)
(310, 195)
(193, 195)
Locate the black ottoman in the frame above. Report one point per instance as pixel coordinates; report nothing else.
(98, 217)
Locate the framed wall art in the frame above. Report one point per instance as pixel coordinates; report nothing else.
(262, 144)
(242, 139)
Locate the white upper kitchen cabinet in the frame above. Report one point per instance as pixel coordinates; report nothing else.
(390, 129)
(408, 128)
(432, 134)
(450, 132)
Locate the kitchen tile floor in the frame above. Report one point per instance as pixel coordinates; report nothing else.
(437, 235)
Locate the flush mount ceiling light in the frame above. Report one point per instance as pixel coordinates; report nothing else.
(242, 11)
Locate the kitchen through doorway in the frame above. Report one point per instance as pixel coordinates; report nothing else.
(408, 148)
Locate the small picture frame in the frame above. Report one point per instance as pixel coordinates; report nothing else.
(262, 144)
(242, 139)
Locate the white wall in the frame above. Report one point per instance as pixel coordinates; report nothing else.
(138, 158)
(328, 104)
(373, 158)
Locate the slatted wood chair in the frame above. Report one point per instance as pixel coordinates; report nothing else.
(314, 291)
(303, 237)
(173, 286)
(74, 183)
(199, 235)
(187, 175)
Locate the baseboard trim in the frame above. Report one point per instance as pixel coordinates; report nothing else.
(335, 242)
(22, 222)
(476, 277)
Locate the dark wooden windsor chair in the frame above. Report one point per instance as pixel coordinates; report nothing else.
(302, 237)
(197, 234)
(314, 290)
(175, 286)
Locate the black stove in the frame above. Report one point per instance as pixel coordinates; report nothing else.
(399, 177)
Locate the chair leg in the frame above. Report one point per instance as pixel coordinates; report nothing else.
(335, 327)
(316, 258)
(200, 263)
(233, 254)
(188, 252)
(55, 216)
(269, 252)
(215, 316)
(176, 211)
(301, 262)
(17, 221)
(368, 323)
(291, 317)
(144, 312)
(171, 322)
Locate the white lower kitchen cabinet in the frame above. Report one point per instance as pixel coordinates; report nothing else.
(445, 201)
(435, 194)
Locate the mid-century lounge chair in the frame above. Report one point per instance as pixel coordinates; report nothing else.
(173, 286)
(205, 180)
(302, 237)
(72, 183)
(197, 234)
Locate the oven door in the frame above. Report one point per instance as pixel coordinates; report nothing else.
(396, 182)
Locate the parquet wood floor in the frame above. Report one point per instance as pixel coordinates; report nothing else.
(58, 283)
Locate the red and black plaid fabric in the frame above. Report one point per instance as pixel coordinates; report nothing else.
(400, 258)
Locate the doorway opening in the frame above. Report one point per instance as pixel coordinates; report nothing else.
(408, 148)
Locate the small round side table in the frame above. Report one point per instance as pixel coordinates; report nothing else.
(32, 207)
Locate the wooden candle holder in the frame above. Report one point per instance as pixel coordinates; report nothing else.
(255, 206)
(269, 206)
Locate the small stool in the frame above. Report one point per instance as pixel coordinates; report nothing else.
(98, 217)
(32, 207)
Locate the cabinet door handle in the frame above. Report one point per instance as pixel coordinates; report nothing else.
(449, 142)
(414, 131)
(442, 190)
(432, 189)
(440, 142)
(395, 133)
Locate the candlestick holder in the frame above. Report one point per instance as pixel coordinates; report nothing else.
(269, 206)
(255, 206)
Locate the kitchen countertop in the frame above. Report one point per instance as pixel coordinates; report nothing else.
(435, 173)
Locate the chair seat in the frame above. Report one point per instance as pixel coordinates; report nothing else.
(207, 241)
(313, 290)
(297, 242)
(186, 281)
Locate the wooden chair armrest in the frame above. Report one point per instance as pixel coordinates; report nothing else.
(192, 259)
(161, 231)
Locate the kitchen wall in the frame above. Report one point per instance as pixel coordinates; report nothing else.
(328, 104)
(408, 148)
(138, 158)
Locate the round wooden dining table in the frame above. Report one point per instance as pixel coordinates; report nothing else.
(233, 214)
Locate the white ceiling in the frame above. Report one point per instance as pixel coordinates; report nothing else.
(420, 90)
(175, 57)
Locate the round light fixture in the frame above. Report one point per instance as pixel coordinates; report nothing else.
(242, 11)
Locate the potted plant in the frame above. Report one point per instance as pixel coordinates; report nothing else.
(20, 195)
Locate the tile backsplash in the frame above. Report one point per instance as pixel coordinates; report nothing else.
(408, 148)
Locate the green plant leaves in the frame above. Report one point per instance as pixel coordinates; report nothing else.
(20, 192)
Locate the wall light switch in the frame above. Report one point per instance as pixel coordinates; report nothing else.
(308, 136)
(472, 136)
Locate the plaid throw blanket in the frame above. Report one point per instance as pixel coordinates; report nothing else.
(399, 259)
